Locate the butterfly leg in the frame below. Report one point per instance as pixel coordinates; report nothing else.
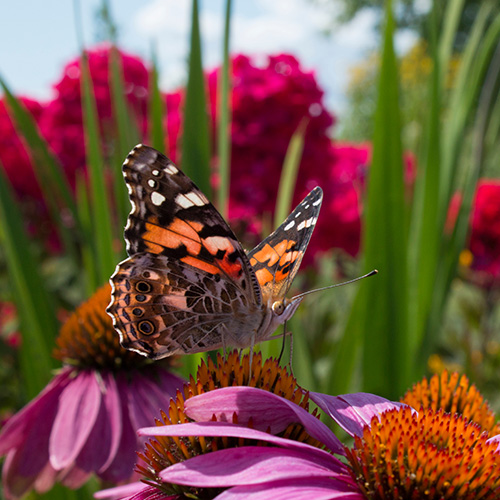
(284, 336)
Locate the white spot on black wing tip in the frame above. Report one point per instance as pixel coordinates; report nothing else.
(317, 202)
(289, 225)
(157, 198)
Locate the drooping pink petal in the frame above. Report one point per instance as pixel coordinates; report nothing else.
(152, 493)
(79, 403)
(168, 382)
(267, 411)
(14, 431)
(353, 411)
(28, 462)
(74, 477)
(122, 465)
(112, 403)
(214, 429)
(247, 465)
(146, 400)
(300, 489)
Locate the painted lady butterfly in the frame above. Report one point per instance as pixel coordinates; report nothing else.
(188, 285)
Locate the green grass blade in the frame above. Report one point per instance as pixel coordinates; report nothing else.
(426, 235)
(224, 129)
(383, 310)
(157, 110)
(195, 135)
(128, 132)
(36, 312)
(101, 217)
(289, 174)
(91, 276)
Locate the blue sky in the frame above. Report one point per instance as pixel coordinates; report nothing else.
(38, 37)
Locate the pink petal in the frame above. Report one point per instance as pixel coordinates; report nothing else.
(122, 466)
(19, 475)
(301, 489)
(114, 415)
(14, 431)
(353, 411)
(125, 490)
(267, 411)
(214, 429)
(146, 399)
(246, 465)
(74, 477)
(79, 406)
(495, 439)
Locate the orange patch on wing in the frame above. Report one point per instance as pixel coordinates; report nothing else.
(269, 254)
(264, 276)
(200, 264)
(153, 247)
(177, 234)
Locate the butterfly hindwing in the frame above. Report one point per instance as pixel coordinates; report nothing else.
(277, 259)
(162, 307)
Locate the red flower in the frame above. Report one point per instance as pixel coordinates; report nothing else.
(268, 104)
(14, 155)
(62, 122)
(485, 232)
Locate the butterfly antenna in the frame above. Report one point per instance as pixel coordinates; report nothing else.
(371, 273)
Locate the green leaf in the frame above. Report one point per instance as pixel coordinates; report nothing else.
(383, 300)
(156, 110)
(224, 130)
(195, 135)
(101, 218)
(36, 312)
(289, 174)
(128, 132)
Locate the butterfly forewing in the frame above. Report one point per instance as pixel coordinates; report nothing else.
(277, 259)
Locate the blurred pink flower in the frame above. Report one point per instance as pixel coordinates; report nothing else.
(14, 156)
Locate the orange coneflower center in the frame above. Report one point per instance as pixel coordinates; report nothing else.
(453, 394)
(231, 371)
(88, 339)
(431, 455)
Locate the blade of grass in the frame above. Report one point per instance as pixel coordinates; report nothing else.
(195, 135)
(224, 130)
(157, 110)
(425, 237)
(101, 217)
(383, 310)
(128, 132)
(289, 173)
(36, 312)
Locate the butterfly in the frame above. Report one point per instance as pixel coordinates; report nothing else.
(188, 286)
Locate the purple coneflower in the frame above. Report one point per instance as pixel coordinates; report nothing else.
(85, 421)
(237, 445)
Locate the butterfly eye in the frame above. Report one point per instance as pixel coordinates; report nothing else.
(278, 307)
(143, 287)
(146, 327)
